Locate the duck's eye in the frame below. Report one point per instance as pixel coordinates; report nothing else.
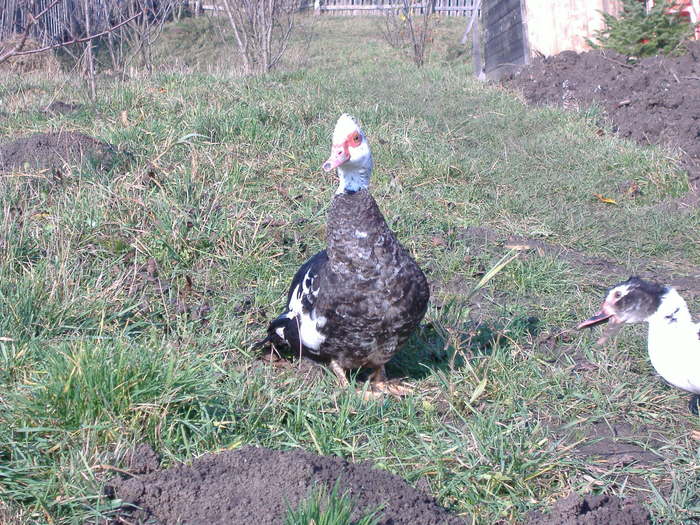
(617, 294)
(355, 139)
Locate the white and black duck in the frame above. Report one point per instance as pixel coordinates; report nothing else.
(355, 303)
(673, 340)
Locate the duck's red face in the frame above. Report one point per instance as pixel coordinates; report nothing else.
(341, 152)
(349, 147)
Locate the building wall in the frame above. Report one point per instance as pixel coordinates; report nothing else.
(555, 26)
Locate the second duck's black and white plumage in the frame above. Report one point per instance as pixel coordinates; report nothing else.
(355, 303)
(673, 340)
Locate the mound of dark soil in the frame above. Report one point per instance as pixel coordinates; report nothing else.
(55, 151)
(652, 101)
(591, 510)
(258, 485)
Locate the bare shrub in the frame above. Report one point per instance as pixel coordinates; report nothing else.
(410, 28)
(126, 28)
(41, 61)
(136, 38)
(262, 29)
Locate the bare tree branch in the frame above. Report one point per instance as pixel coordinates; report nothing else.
(241, 39)
(12, 53)
(32, 19)
(410, 27)
(262, 29)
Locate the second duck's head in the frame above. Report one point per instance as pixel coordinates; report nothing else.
(631, 301)
(350, 153)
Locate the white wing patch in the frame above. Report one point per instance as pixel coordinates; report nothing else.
(309, 322)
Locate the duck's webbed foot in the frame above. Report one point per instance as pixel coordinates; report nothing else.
(339, 372)
(379, 385)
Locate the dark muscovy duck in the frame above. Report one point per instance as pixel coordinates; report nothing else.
(674, 339)
(355, 303)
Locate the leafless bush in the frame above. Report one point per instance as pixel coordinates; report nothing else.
(262, 29)
(41, 61)
(410, 28)
(136, 38)
(126, 28)
(66, 23)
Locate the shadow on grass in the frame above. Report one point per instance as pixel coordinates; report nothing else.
(436, 346)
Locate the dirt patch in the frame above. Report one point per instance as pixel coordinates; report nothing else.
(182, 299)
(611, 445)
(259, 485)
(59, 107)
(651, 101)
(142, 460)
(482, 240)
(591, 510)
(55, 151)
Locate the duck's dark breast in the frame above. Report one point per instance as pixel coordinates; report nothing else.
(373, 293)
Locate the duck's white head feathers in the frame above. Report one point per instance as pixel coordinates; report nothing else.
(351, 155)
(631, 301)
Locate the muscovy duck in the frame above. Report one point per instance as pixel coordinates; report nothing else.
(355, 303)
(673, 340)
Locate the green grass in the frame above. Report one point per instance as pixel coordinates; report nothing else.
(323, 508)
(105, 277)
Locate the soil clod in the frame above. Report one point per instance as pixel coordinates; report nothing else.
(591, 510)
(59, 107)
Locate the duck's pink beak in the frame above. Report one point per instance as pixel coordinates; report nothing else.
(606, 313)
(600, 317)
(339, 155)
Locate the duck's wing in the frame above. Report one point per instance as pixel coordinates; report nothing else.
(304, 287)
(298, 326)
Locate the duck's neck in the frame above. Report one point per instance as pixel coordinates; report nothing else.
(674, 343)
(359, 240)
(672, 312)
(353, 179)
(671, 327)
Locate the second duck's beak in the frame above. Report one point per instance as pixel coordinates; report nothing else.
(600, 317)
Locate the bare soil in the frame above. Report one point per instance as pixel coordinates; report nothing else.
(482, 239)
(651, 101)
(56, 151)
(591, 510)
(58, 107)
(259, 485)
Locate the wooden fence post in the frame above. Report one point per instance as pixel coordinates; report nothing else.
(476, 46)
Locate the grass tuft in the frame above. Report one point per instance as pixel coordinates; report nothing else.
(327, 508)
